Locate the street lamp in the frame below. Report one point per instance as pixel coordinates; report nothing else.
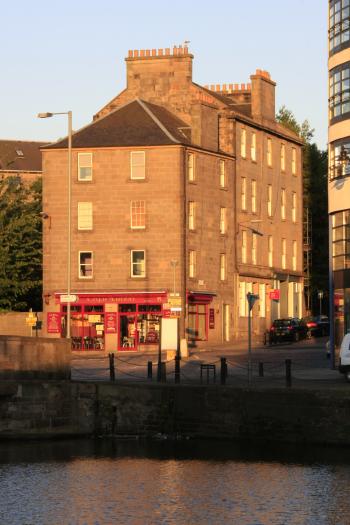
(69, 115)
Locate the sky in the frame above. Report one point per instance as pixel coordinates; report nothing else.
(69, 55)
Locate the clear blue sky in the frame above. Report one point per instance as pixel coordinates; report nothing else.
(57, 56)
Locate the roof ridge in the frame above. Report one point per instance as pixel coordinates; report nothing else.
(143, 104)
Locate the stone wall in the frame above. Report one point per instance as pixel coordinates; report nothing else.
(52, 409)
(14, 323)
(34, 357)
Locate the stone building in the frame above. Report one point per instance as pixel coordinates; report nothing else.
(22, 158)
(180, 193)
(339, 161)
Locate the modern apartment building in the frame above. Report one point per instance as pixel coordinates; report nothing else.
(179, 191)
(339, 160)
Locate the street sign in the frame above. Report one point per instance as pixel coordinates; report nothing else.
(251, 298)
(274, 295)
(68, 298)
(31, 320)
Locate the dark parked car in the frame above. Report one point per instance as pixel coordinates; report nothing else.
(289, 329)
(317, 325)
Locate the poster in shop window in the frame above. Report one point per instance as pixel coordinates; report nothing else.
(53, 322)
(110, 322)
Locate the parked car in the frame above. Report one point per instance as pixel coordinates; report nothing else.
(344, 357)
(289, 329)
(316, 325)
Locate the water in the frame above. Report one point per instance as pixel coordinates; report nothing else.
(89, 482)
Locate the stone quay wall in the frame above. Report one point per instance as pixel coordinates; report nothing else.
(55, 408)
(34, 358)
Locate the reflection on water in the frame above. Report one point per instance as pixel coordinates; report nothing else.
(106, 482)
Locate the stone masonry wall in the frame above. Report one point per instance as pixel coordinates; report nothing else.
(52, 409)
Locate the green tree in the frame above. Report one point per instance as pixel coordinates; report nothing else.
(20, 245)
(315, 169)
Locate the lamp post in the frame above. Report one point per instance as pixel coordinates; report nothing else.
(69, 195)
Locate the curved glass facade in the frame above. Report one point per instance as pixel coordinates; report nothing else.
(339, 25)
(339, 92)
(339, 159)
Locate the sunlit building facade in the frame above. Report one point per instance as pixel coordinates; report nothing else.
(339, 161)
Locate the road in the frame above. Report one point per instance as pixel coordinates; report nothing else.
(310, 366)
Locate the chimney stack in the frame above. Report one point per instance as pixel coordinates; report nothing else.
(263, 95)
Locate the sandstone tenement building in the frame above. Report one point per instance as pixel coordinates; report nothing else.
(177, 189)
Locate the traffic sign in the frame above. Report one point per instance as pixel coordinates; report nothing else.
(69, 298)
(174, 301)
(31, 321)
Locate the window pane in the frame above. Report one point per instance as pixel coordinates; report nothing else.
(137, 164)
(84, 166)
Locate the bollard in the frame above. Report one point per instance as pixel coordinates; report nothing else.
(261, 369)
(149, 370)
(288, 372)
(111, 367)
(177, 369)
(163, 372)
(223, 370)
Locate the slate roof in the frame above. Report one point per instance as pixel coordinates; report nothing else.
(137, 123)
(20, 155)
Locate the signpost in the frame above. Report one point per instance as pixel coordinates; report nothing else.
(31, 320)
(251, 298)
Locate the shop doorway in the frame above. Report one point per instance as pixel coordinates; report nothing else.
(138, 326)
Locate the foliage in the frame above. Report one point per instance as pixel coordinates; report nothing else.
(315, 169)
(20, 244)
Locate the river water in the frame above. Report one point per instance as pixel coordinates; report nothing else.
(103, 482)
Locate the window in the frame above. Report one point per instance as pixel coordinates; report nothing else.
(283, 157)
(85, 265)
(243, 143)
(269, 200)
(341, 240)
(138, 263)
(191, 215)
(222, 168)
(294, 207)
(262, 300)
(294, 256)
(339, 34)
(192, 264)
(84, 215)
(270, 251)
(244, 193)
(253, 196)
(253, 147)
(138, 215)
(254, 248)
(244, 246)
(190, 167)
(269, 152)
(137, 162)
(284, 254)
(294, 161)
(222, 266)
(84, 166)
(283, 204)
(339, 163)
(223, 220)
(339, 92)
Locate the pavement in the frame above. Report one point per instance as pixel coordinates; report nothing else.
(310, 367)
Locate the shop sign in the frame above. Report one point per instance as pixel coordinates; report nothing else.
(69, 298)
(174, 301)
(274, 295)
(53, 322)
(166, 313)
(110, 322)
(211, 318)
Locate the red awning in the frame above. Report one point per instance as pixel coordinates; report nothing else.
(200, 297)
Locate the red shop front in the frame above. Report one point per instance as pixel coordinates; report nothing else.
(114, 321)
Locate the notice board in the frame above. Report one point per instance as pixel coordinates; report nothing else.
(169, 334)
